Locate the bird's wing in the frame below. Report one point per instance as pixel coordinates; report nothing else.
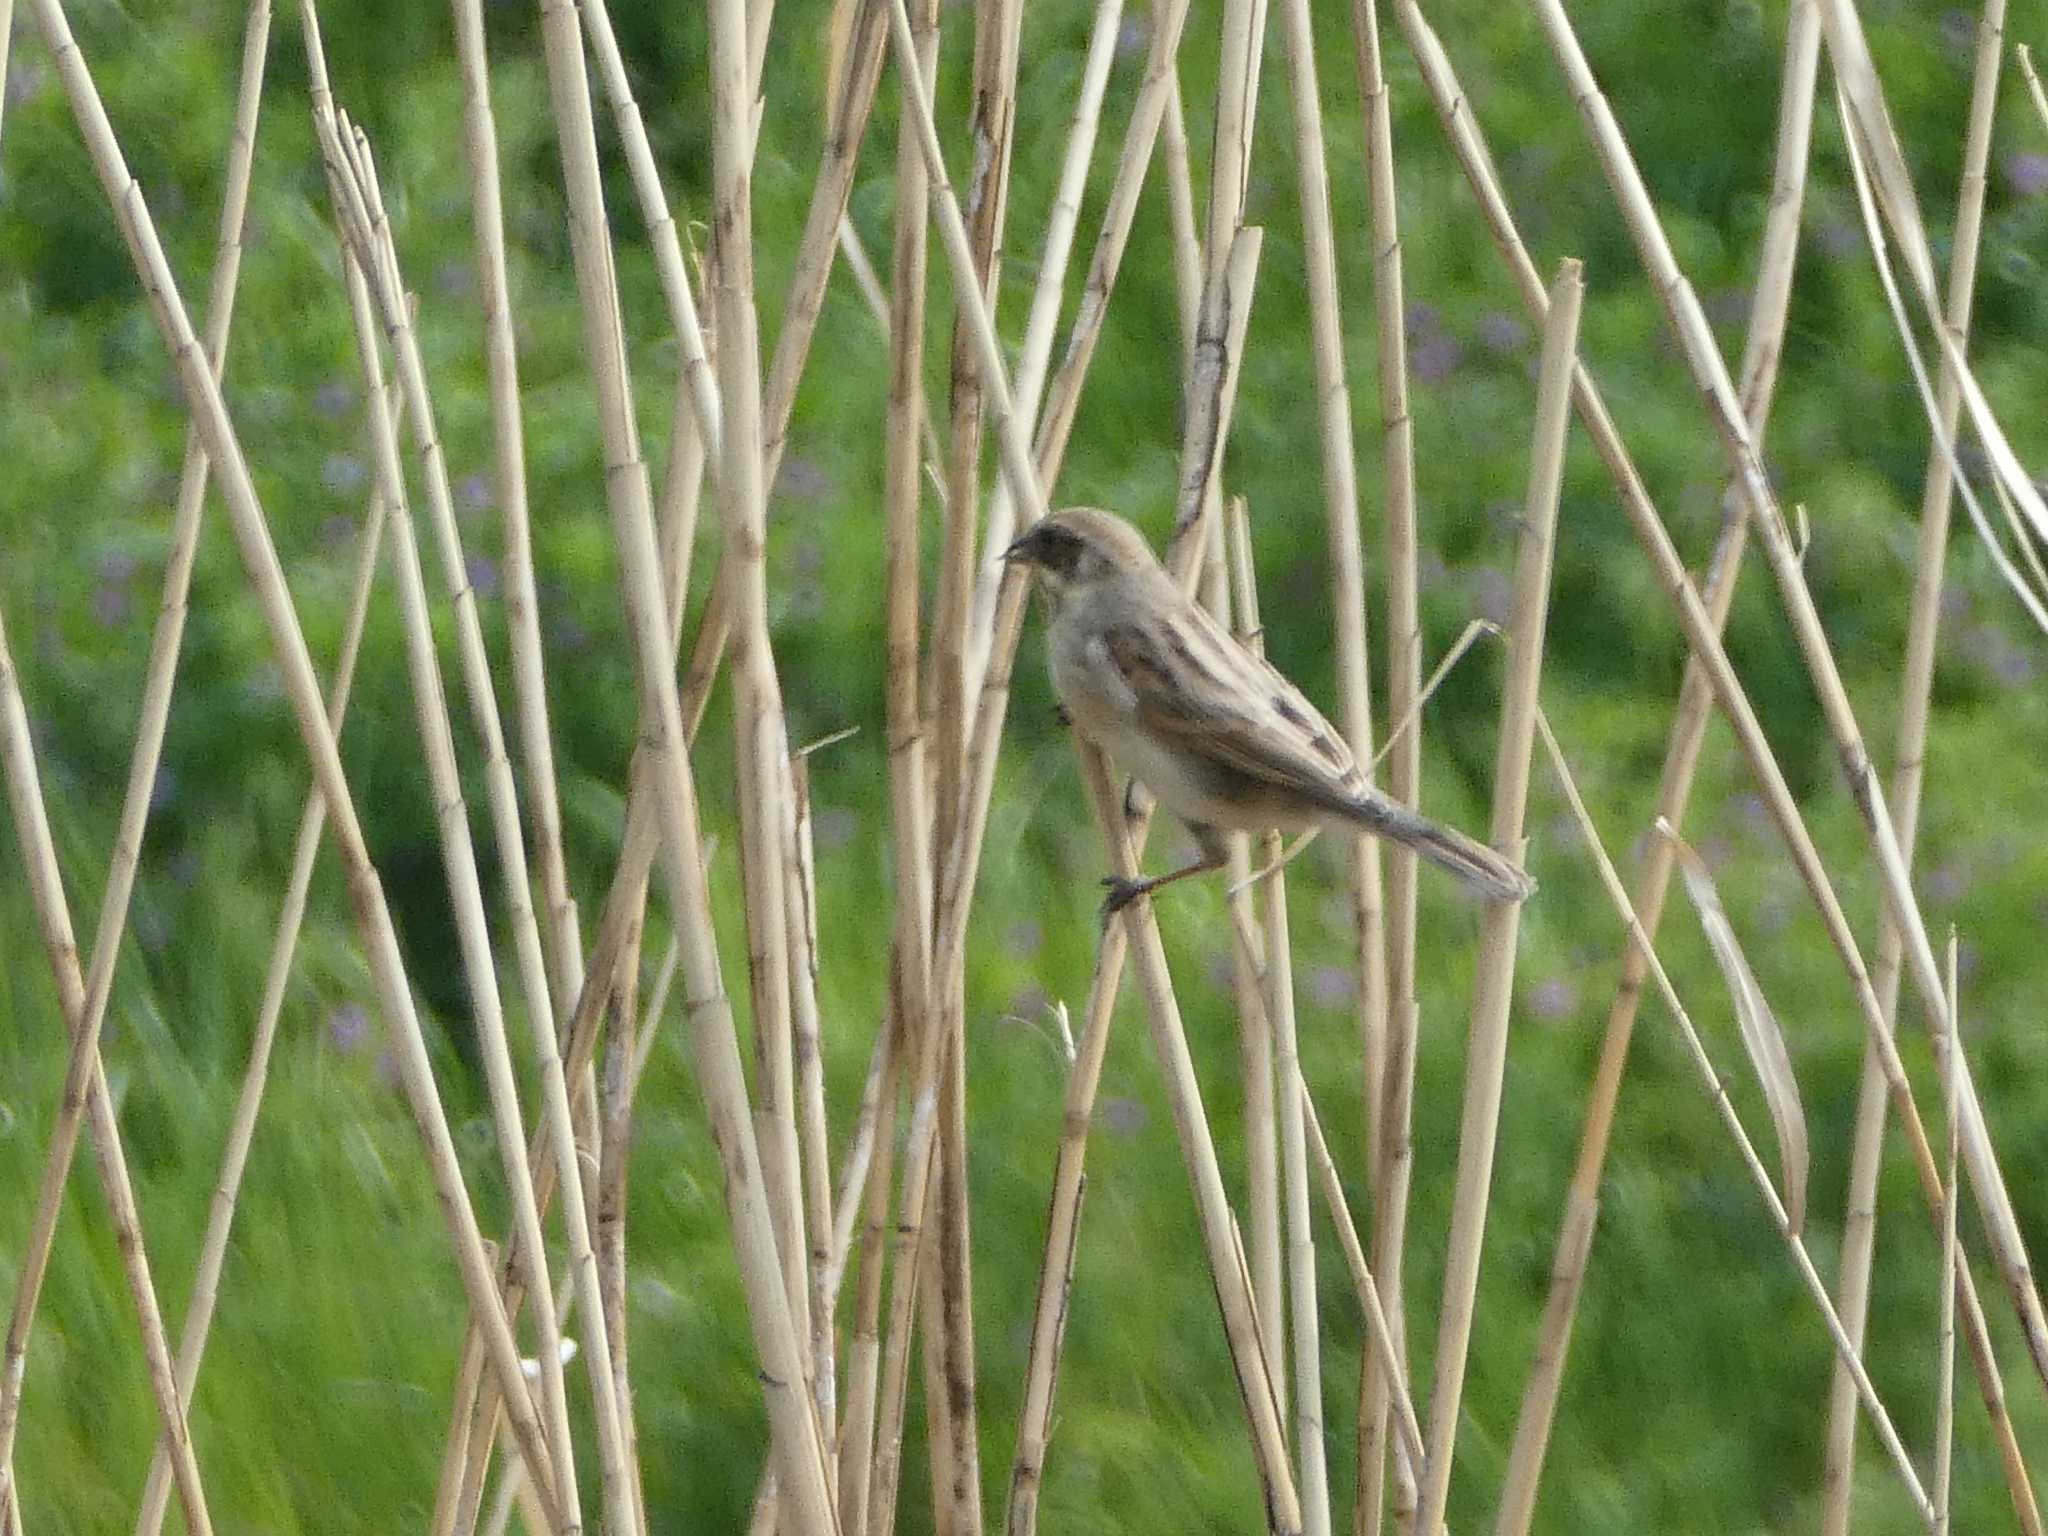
(1191, 681)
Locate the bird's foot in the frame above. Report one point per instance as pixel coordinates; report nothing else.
(1122, 893)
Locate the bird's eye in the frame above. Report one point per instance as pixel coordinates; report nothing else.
(1059, 551)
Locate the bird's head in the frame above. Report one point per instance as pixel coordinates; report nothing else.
(1078, 548)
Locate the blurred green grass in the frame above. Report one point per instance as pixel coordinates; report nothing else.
(1698, 1369)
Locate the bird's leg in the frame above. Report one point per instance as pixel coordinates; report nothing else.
(1288, 855)
(1122, 892)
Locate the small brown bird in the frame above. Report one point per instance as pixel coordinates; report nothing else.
(1217, 734)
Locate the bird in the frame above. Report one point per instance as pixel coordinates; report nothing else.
(1210, 727)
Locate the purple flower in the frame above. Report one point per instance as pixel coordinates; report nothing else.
(1492, 593)
(1024, 938)
(1436, 357)
(348, 1026)
(342, 473)
(483, 575)
(1554, 999)
(1126, 1117)
(474, 494)
(1331, 986)
(333, 399)
(112, 607)
(2026, 173)
(1133, 37)
(833, 828)
(801, 480)
(1500, 331)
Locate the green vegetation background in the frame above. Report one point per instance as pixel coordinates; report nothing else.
(1698, 1370)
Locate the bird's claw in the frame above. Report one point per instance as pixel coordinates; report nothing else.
(1122, 893)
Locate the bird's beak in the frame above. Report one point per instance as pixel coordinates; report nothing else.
(1021, 547)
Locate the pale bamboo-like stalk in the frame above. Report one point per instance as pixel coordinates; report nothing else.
(808, 1047)
(203, 396)
(1493, 985)
(473, 1423)
(957, 881)
(991, 130)
(2034, 90)
(864, 1343)
(1180, 210)
(1062, 1239)
(1198, 1149)
(1390, 1101)
(53, 914)
(1698, 628)
(852, 98)
(698, 372)
(522, 604)
(458, 857)
(277, 978)
(855, 1200)
(1378, 1329)
(720, 1078)
(760, 735)
(875, 1468)
(1203, 386)
(1710, 374)
(1035, 352)
(870, 286)
(1304, 1329)
(1340, 509)
(608, 1223)
(377, 257)
(1945, 1370)
(1717, 1091)
(125, 860)
(1859, 1220)
(1768, 310)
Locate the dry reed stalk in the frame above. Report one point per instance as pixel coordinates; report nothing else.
(957, 883)
(1180, 211)
(1340, 506)
(1697, 626)
(1378, 1329)
(608, 1235)
(808, 1047)
(203, 397)
(2016, 1474)
(698, 372)
(458, 857)
(1493, 984)
(277, 977)
(1768, 310)
(861, 1157)
(1218, 1226)
(1945, 1373)
(715, 1045)
(870, 286)
(377, 257)
(1035, 352)
(1062, 1239)
(159, 679)
(1305, 1330)
(522, 604)
(1859, 1220)
(852, 95)
(991, 128)
(761, 739)
(872, 1469)
(53, 914)
(1717, 1091)
(2034, 90)
(1390, 1075)
(1203, 386)
(864, 1342)
(1710, 374)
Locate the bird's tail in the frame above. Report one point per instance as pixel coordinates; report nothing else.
(1481, 869)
